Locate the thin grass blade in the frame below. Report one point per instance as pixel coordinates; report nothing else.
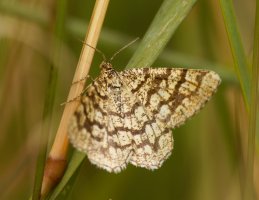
(238, 53)
(45, 130)
(75, 162)
(166, 21)
(254, 115)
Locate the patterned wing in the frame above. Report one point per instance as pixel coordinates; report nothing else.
(165, 98)
(172, 95)
(92, 131)
(151, 143)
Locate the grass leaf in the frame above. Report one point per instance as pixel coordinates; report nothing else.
(241, 65)
(166, 21)
(254, 115)
(75, 162)
(45, 130)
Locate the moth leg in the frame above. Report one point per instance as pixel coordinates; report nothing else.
(82, 79)
(77, 97)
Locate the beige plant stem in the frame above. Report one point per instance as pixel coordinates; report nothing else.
(56, 161)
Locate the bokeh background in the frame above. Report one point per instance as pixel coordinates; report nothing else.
(209, 153)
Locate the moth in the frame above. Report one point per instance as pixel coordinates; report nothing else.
(128, 116)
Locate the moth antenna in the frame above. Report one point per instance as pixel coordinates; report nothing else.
(127, 45)
(97, 50)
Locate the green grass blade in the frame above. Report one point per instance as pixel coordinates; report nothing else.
(249, 192)
(46, 123)
(166, 21)
(241, 65)
(75, 162)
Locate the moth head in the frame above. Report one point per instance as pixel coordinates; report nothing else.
(105, 65)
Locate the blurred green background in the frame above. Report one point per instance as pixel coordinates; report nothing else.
(209, 153)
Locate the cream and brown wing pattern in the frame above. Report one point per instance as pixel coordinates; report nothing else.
(128, 116)
(164, 98)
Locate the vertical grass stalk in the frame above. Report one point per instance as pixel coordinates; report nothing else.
(46, 124)
(249, 192)
(238, 53)
(58, 154)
